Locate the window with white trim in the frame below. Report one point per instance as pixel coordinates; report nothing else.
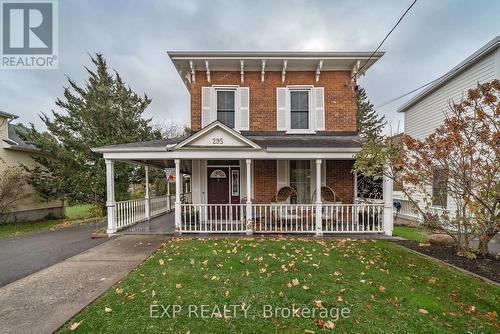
(299, 109)
(226, 107)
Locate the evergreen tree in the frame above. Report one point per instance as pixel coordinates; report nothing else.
(369, 123)
(105, 111)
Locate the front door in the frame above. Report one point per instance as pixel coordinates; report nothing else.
(218, 185)
(223, 189)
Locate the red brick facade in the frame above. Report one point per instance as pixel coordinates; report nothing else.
(340, 100)
(339, 177)
(265, 180)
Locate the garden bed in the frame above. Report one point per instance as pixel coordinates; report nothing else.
(488, 267)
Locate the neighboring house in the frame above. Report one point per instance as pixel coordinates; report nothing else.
(15, 152)
(272, 149)
(426, 111)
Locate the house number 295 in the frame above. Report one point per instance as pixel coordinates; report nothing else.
(217, 141)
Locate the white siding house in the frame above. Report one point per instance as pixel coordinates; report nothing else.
(425, 112)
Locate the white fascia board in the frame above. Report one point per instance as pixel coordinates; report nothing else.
(314, 149)
(232, 155)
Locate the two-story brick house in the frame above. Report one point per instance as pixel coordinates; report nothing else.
(272, 145)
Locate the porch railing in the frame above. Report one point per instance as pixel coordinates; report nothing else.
(212, 218)
(352, 218)
(130, 212)
(281, 218)
(408, 209)
(134, 211)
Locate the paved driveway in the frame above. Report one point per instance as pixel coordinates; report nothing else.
(26, 254)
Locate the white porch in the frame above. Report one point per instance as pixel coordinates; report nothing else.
(215, 205)
(193, 214)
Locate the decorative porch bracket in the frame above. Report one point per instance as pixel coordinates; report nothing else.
(319, 204)
(110, 196)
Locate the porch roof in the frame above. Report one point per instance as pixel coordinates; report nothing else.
(266, 140)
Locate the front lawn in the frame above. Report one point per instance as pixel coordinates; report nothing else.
(379, 287)
(411, 233)
(75, 215)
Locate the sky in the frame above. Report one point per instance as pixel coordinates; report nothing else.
(134, 36)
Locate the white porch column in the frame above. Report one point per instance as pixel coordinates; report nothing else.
(319, 205)
(388, 205)
(168, 192)
(178, 186)
(110, 196)
(249, 197)
(146, 194)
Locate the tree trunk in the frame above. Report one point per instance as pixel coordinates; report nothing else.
(484, 240)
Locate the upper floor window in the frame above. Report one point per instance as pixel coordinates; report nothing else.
(226, 107)
(299, 109)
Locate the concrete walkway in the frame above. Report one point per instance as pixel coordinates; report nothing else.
(44, 301)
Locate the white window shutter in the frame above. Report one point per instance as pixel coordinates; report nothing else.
(319, 108)
(282, 174)
(281, 108)
(244, 114)
(206, 106)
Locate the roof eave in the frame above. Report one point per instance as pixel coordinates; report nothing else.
(462, 66)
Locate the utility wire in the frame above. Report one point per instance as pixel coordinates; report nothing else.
(406, 94)
(386, 36)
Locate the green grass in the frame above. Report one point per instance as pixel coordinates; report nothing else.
(78, 211)
(411, 233)
(382, 284)
(75, 215)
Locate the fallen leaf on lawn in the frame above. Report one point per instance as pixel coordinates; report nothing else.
(191, 261)
(319, 304)
(226, 293)
(432, 280)
(295, 282)
(107, 309)
(340, 299)
(471, 309)
(119, 291)
(320, 323)
(305, 287)
(262, 270)
(281, 294)
(153, 293)
(289, 285)
(309, 331)
(161, 262)
(424, 244)
(178, 286)
(423, 311)
(329, 324)
(205, 262)
(492, 314)
(74, 325)
(381, 288)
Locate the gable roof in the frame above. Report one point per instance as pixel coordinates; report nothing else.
(468, 62)
(8, 115)
(15, 142)
(223, 127)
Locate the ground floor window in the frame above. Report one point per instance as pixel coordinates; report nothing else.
(300, 180)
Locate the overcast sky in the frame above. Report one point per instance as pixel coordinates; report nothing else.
(135, 35)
